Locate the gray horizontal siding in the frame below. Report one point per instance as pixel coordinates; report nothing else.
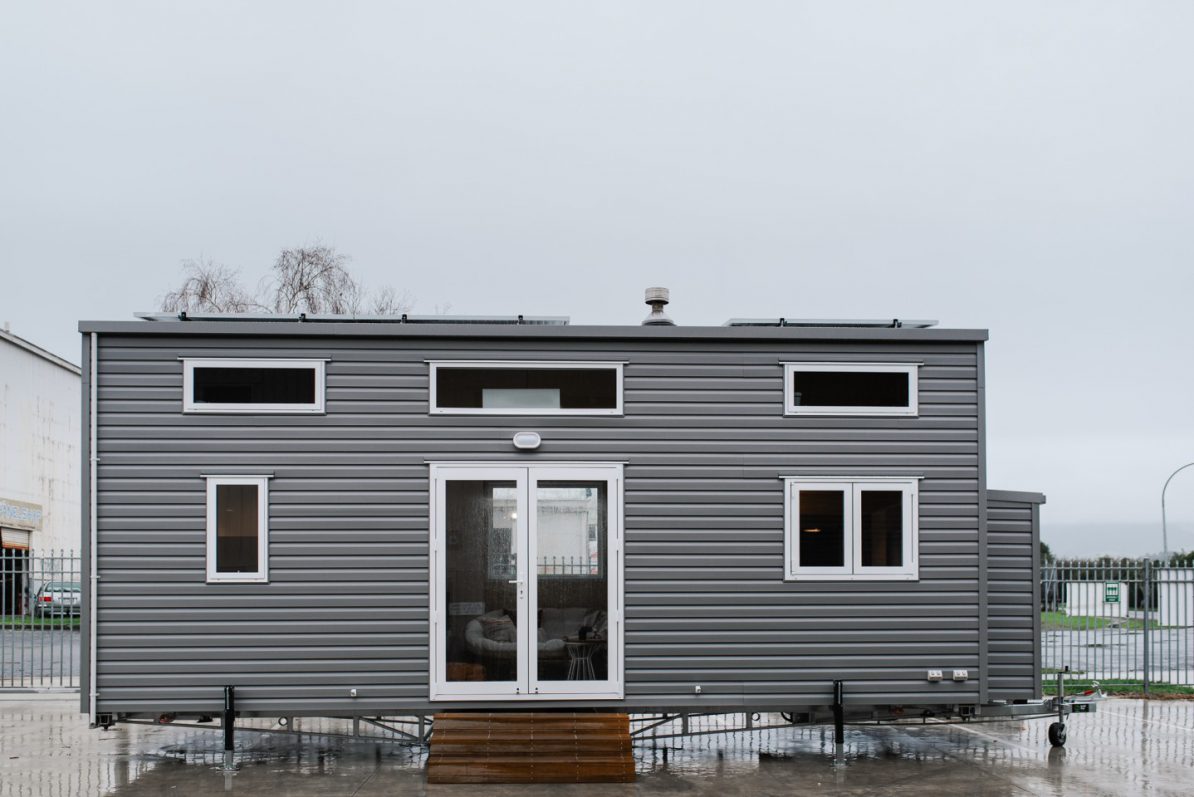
(705, 445)
(1013, 604)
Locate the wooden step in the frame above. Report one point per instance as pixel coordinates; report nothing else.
(530, 747)
(499, 721)
(583, 746)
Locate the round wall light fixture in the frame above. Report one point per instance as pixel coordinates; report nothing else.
(527, 441)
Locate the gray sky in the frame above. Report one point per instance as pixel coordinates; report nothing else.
(1021, 166)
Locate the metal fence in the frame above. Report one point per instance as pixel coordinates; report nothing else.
(568, 566)
(1127, 621)
(40, 613)
(1130, 622)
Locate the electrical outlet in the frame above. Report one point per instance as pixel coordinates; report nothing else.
(961, 675)
(936, 675)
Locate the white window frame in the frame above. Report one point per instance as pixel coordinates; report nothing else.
(852, 568)
(543, 365)
(911, 369)
(261, 575)
(189, 405)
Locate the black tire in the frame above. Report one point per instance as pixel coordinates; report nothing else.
(1057, 734)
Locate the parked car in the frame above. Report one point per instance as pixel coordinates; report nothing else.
(57, 598)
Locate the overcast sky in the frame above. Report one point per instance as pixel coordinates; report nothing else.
(1024, 167)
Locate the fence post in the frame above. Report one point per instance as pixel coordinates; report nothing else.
(1148, 599)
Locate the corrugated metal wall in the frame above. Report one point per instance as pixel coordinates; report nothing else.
(705, 442)
(1013, 604)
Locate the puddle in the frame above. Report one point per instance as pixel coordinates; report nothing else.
(1127, 747)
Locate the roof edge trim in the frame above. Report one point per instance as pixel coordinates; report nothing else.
(1015, 496)
(517, 331)
(38, 351)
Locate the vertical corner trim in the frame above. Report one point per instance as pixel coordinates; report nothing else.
(984, 645)
(92, 517)
(1036, 601)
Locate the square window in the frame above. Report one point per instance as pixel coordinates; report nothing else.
(237, 528)
(850, 389)
(855, 530)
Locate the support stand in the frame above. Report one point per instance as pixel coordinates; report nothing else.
(229, 728)
(839, 713)
(1057, 731)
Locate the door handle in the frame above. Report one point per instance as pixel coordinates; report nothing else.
(515, 581)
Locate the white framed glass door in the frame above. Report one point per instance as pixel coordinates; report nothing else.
(479, 575)
(526, 582)
(575, 593)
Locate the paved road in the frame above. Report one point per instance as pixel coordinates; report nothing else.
(40, 658)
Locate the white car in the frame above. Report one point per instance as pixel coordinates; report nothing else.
(57, 598)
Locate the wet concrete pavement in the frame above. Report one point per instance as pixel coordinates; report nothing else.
(1128, 748)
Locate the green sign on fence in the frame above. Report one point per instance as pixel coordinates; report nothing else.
(1110, 592)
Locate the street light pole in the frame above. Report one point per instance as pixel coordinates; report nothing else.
(1164, 526)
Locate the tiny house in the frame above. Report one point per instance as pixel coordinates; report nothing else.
(394, 516)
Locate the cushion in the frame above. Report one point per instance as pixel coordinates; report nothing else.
(560, 623)
(498, 629)
(598, 623)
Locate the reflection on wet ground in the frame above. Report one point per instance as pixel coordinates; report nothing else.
(1127, 747)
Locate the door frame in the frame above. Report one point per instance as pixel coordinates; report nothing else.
(526, 687)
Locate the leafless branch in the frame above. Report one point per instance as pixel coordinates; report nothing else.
(314, 279)
(310, 279)
(209, 287)
(387, 301)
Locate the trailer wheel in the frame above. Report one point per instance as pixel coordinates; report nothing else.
(1057, 734)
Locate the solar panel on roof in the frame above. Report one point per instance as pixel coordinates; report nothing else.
(860, 323)
(515, 320)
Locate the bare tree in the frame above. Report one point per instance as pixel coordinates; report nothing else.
(310, 279)
(387, 301)
(209, 287)
(314, 279)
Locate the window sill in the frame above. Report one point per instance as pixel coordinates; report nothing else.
(244, 409)
(793, 577)
(851, 412)
(547, 413)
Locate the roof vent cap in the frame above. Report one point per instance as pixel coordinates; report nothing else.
(657, 299)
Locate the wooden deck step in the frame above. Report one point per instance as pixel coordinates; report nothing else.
(530, 747)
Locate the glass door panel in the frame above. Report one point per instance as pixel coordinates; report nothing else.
(482, 601)
(575, 536)
(572, 579)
